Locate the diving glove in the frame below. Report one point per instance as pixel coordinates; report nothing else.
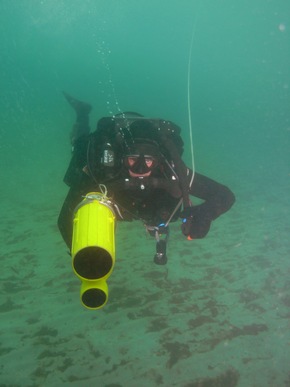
(195, 222)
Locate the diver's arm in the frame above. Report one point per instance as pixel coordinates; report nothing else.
(65, 219)
(217, 200)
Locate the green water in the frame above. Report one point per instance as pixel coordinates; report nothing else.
(133, 55)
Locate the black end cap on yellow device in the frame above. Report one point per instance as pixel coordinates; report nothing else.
(94, 298)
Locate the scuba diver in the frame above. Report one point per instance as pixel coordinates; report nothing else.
(138, 162)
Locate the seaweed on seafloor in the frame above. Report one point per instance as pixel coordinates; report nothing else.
(229, 378)
(115, 366)
(199, 321)
(5, 350)
(33, 320)
(15, 286)
(286, 300)
(248, 295)
(14, 239)
(176, 351)
(230, 333)
(8, 305)
(158, 324)
(46, 331)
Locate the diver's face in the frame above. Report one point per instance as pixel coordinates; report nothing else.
(140, 165)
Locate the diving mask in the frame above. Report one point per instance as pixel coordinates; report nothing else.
(140, 165)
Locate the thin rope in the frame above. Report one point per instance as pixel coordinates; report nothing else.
(188, 94)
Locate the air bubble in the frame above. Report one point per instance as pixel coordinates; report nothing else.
(282, 27)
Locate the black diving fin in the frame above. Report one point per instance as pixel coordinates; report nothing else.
(79, 106)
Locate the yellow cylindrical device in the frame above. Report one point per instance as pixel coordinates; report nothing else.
(93, 247)
(94, 294)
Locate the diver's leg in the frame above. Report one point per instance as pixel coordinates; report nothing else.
(82, 109)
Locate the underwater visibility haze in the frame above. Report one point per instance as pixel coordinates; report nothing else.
(217, 314)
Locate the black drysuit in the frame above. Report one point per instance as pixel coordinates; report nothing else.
(150, 199)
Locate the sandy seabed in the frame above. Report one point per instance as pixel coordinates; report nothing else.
(216, 315)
